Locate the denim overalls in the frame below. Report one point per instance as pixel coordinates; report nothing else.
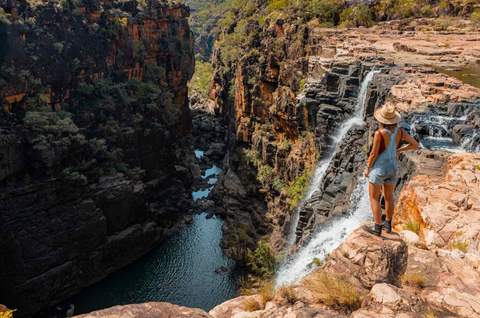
(385, 168)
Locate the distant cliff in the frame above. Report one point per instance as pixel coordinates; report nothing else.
(94, 148)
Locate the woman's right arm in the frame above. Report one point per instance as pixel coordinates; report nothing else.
(377, 139)
(412, 144)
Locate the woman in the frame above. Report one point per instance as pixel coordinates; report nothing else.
(382, 164)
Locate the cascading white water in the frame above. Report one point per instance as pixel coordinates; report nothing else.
(469, 143)
(438, 133)
(327, 238)
(355, 120)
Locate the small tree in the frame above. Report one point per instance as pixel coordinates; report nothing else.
(359, 15)
(262, 261)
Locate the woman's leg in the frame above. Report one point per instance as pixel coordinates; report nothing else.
(388, 189)
(375, 190)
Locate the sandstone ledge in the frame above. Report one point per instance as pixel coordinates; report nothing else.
(148, 310)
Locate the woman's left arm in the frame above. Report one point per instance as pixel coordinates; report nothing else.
(412, 144)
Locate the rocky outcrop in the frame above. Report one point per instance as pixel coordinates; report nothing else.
(95, 146)
(158, 310)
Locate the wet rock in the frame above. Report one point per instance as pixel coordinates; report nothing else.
(221, 269)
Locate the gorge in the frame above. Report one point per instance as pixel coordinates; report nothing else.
(124, 184)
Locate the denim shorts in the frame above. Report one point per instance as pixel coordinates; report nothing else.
(376, 178)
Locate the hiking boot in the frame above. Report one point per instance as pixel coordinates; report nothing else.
(388, 226)
(375, 230)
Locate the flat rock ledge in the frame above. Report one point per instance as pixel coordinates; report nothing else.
(148, 310)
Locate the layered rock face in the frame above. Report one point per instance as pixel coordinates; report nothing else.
(257, 99)
(95, 146)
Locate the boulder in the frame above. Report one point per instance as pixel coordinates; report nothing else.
(410, 237)
(365, 259)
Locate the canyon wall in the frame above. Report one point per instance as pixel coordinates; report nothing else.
(271, 139)
(95, 146)
(282, 107)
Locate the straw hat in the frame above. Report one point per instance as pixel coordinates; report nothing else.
(387, 115)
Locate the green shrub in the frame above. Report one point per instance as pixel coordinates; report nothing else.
(202, 78)
(301, 85)
(415, 279)
(475, 17)
(359, 15)
(262, 261)
(406, 8)
(401, 9)
(328, 11)
(278, 184)
(277, 5)
(442, 24)
(297, 188)
(317, 262)
(252, 156)
(4, 17)
(265, 175)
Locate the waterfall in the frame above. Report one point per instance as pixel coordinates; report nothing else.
(319, 174)
(327, 238)
(435, 132)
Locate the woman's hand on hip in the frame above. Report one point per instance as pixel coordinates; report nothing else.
(366, 172)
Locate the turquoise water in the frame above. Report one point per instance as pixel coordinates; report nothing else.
(188, 268)
(182, 270)
(201, 194)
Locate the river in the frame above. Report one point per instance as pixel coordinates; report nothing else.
(188, 268)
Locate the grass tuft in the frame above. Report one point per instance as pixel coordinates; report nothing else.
(412, 225)
(460, 245)
(317, 262)
(287, 293)
(430, 313)
(251, 304)
(414, 279)
(266, 291)
(334, 291)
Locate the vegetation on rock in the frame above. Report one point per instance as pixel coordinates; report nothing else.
(415, 279)
(296, 190)
(262, 261)
(334, 291)
(202, 78)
